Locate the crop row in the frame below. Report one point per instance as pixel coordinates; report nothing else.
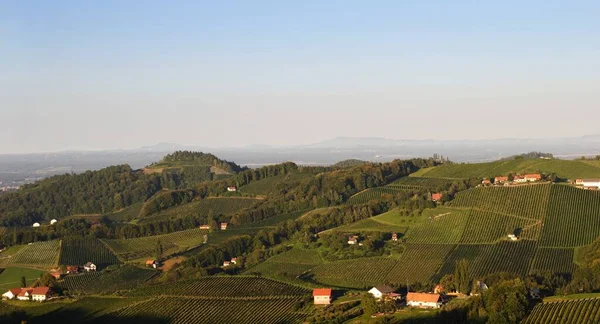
(194, 310)
(487, 227)
(78, 251)
(573, 217)
(528, 201)
(419, 263)
(444, 228)
(374, 193)
(38, 254)
(420, 183)
(204, 208)
(79, 282)
(566, 312)
(356, 273)
(553, 259)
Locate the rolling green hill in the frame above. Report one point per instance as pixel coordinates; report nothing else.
(565, 169)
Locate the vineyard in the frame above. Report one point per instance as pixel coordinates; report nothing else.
(265, 186)
(356, 273)
(79, 282)
(78, 251)
(573, 217)
(367, 195)
(38, 254)
(445, 226)
(419, 183)
(223, 287)
(197, 310)
(488, 227)
(371, 224)
(218, 206)
(553, 259)
(288, 265)
(505, 256)
(145, 247)
(126, 277)
(566, 169)
(418, 263)
(571, 311)
(528, 201)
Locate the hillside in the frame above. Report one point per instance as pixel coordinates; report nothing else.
(564, 169)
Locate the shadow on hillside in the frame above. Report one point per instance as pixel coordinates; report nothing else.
(78, 316)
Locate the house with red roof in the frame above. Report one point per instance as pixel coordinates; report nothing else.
(437, 196)
(499, 180)
(72, 269)
(395, 237)
(223, 226)
(11, 293)
(204, 227)
(25, 294)
(151, 263)
(532, 177)
(40, 293)
(322, 296)
(423, 300)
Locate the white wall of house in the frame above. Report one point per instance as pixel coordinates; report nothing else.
(591, 184)
(376, 293)
(322, 300)
(423, 304)
(38, 297)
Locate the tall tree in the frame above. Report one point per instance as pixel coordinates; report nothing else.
(461, 276)
(159, 250)
(23, 282)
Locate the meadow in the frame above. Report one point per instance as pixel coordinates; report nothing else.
(11, 277)
(217, 206)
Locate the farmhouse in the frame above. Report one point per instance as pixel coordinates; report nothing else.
(486, 182)
(25, 294)
(232, 189)
(352, 240)
(54, 221)
(423, 300)
(226, 263)
(437, 196)
(395, 237)
(322, 296)
(438, 289)
(499, 180)
(380, 292)
(72, 269)
(579, 181)
(519, 179)
(40, 294)
(532, 177)
(89, 267)
(223, 226)
(36, 224)
(234, 260)
(204, 227)
(151, 263)
(56, 273)
(589, 183)
(11, 293)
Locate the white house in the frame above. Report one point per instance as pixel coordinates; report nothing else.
(383, 292)
(512, 237)
(234, 260)
(11, 293)
(151, 263)
(226, 263)
(322, 296)
(423, 300)
(52, 222)
(40, 294)
(36, 224)
(587, 183)
(352, 239)
(25, 294)
(89, 267)
(223, 226)
(232, 189)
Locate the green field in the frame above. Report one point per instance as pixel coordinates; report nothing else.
(419, 183)
(439, 226)
(223, 287)
(38, 254)
(374, 193)
(571, 311)
(78, 282)
(529, 201)
(355, 273)
(566, 169)
(265, 186)
(182, 310)
(125, 278)
(145, 247)
(487, 227)
(219, 206)
(553, 259)
(371, 224)
(78, 251)
(288, 265)
(11, 277)
(573, 217)
(418, 263)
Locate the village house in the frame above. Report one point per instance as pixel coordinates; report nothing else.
(513, 237)
(89, 267)
(25, 294)
(54, 221)
(232, 189)
(499, 180)
(72, 269)
(204, 227)
(40, 294)
(579, 182)
(486, 182)
(234, 260)
(151, 263)
(36, 225)
(532, 177)
(423, 300)
(352, 240)
(226, 263)
(11, 293)
(56, 273)
(223, 226)
(395, 237)
(519, 179)
(322, 296)
(438, 289)
(591, 183)
(385, 292)
(437, 196)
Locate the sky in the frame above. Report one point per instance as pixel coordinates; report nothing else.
(125, 74)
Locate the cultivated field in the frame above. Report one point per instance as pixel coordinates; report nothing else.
(265, 186)
(11, 277)
(218, 206)
(488, 227)
(38, 254)
(127, 277)
(566, 312)
(557, 260)
(78, 251)
(288, 265)
(355, 273)
(440, 226)
(373, 194)
(418, 263)
(419, 183)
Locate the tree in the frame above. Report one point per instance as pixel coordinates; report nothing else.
(23, 282)
(368, 304)
(47, 280)
(159, 250)
(461, 276)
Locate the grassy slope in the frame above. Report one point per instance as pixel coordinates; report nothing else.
(219, 206)
(567, 169)
(11, 277)
(265, 186)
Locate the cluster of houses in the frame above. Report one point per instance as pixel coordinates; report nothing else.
(222, 226)
(590, 184)
(323, 296)
(353, 239)
(52, 222)
(504, 180)
(73, 269)
(39, 294)
(230, 262)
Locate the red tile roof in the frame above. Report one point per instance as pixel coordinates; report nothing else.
(322, 292)
(150, 262)
(41, 291)
(15, 291)
(533, 176)
(422, 297)
(437, 196)
(25, 291)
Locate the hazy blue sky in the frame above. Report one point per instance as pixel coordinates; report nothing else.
(123, 74)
